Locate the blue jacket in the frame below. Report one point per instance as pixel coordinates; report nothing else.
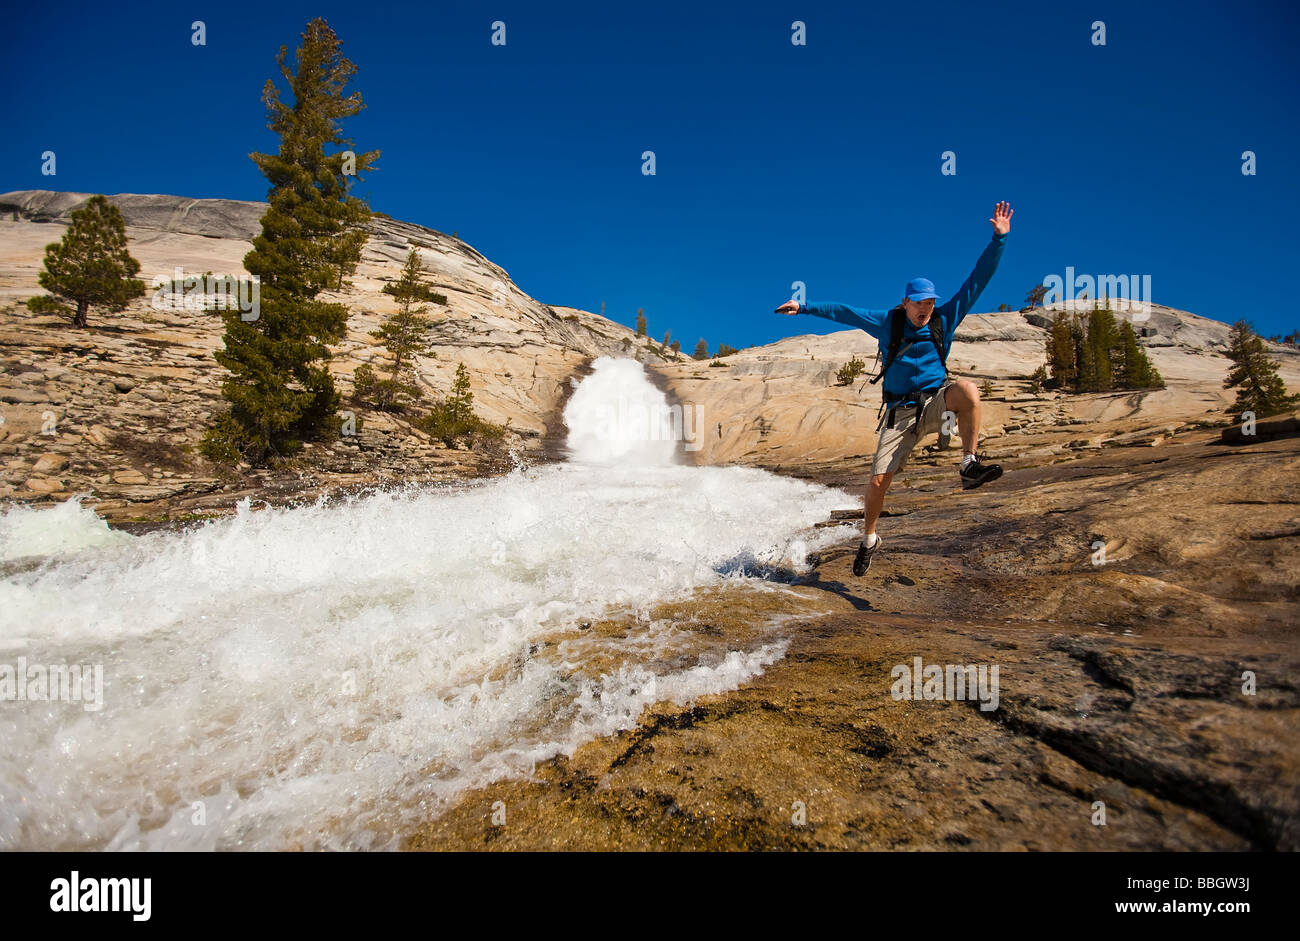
(918, 367)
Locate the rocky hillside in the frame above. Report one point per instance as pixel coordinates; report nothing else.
(117, 409)
(779, 406)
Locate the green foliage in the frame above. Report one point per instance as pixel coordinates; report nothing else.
(346, 253)
(1254, 375)
(1035, 295)
(1038, 380)
(667, 336)
(640, 322)
(986, 388)
(453, 417)
(386, 395)
(404, 334)
(701, 350)
(718, 362)
(90, 266)
(1096, 354)
(677, 347)
(423, 293)
(850, 371)
(279, 386)
(1095, 372)
(726, 350)
(219, 443)
(1134, 369)
(1061, 353)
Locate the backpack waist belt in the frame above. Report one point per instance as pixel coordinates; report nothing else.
(921, 398)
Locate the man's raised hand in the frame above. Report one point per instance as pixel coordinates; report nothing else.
(789, 308)
(1002, 218)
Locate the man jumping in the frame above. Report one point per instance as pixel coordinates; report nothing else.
(917, 392)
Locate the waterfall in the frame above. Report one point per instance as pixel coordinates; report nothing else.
(330, 676)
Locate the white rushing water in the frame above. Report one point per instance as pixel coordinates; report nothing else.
(328, 676)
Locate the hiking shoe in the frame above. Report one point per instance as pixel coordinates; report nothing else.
(975, 473)
(862, 561)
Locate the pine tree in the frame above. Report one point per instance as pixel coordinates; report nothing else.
(1136, 371)
(1254, 375)
(460, 404)
(1096, 355)
(1123, 357)
(640, 322)
(403, 333)
(1061, 353)
(1087, 358)
(454, 416)
(677, 347)
(1095, 371)
(90, 266)
(1035, 295)
(347, 254)
(280, 389)
(701, 349)
(667, 336)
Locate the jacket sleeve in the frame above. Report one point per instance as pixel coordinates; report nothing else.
(871, 321)
(965, 299)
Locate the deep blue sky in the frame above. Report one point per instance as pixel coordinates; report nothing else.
(776, 163)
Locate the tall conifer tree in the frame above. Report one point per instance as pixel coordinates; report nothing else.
(1254, 375)
(405, 335)
(279, 387)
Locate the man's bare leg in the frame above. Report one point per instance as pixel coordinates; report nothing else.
(873, 502)
(963, 398)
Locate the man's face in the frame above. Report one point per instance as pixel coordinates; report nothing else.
(919, 311)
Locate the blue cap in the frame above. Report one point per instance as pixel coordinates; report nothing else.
(920, 289)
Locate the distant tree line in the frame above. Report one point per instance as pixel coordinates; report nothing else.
(1094, 353)
(669, 345)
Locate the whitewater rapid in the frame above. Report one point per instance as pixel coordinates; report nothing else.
(329, 676)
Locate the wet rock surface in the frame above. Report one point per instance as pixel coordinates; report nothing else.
(1120, 687)
(1132, 565)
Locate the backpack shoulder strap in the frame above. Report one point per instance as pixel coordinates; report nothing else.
(895, 341)
(936, 337)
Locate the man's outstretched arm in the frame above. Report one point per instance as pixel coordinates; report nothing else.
(969, 293)
(868, 320)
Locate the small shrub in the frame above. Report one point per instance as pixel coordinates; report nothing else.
(850, 371)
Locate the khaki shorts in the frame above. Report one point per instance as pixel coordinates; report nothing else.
(895, 444)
